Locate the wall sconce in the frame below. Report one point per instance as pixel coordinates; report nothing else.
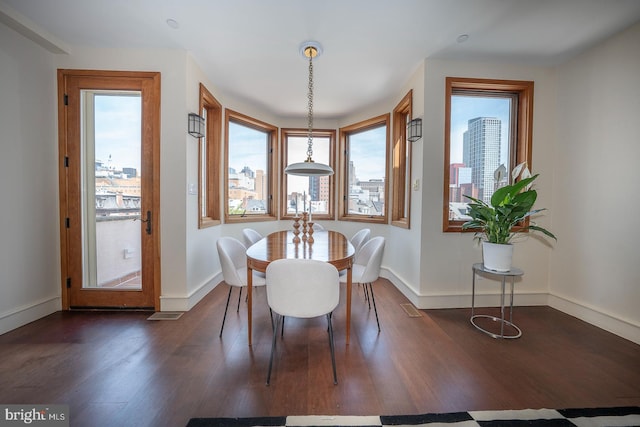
(196, 125)
(414, 130)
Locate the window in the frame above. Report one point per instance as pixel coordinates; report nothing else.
(401, 164)
(249, 169)
(488, 123)
(364, 154)
(209, 160)
(300, 193)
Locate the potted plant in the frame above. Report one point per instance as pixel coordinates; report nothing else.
(498, 222)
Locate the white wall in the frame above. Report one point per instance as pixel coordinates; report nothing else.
(29, 236)
(401, 263)
(595, 268)
(202, 263)
(114, 237)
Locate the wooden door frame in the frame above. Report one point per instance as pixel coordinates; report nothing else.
(151, 129)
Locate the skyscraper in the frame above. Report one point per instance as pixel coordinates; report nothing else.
(319, 193)
(481, 152)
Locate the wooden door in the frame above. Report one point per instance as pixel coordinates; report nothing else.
(109, 131)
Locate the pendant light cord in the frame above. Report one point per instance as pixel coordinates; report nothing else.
(311, 52)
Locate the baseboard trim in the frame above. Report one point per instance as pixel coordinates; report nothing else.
(460, 300)
(186, 303)
(592, 315)
(626, 329)
(596, 317)
(20, 316)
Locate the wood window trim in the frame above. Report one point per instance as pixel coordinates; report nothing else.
(212, 173)
(343, 215)
(326, 133)
(272, 131)
(524, 127)
(401, 164)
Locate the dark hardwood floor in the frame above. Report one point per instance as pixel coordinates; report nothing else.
(119, 369)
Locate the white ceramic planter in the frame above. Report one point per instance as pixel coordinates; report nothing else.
(497, 257)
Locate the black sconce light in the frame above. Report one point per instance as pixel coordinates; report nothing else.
(414, 130)
(196, 125)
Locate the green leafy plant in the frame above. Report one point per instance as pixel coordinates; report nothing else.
(510, 206)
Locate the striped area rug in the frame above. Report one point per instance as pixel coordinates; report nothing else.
(586, 417)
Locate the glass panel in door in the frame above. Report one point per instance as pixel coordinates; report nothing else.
(111, 180)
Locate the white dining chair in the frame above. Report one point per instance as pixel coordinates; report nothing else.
(318, 227)
(233, 260)
(360, 238)
(250, 236)
(357, 240)
(366, 268)
(302, 288)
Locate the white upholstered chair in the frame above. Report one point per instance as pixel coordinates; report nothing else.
(302, 288)
(360, 238)
(233, 260)
(366, 268)
(250, 236)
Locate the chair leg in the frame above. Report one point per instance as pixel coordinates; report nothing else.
(374, 305)
(333, 354)
(225, 311)
(273, 325)
(273, 345)
(239, 297)
(282, 331)
(367, 299)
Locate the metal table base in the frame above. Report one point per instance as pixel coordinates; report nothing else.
(479, 267)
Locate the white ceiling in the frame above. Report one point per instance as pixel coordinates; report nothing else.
(250, 48)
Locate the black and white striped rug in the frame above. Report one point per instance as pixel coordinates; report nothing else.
(587, 417)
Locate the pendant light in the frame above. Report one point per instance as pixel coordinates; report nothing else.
(309, 167)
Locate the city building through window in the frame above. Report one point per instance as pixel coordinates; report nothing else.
(249, 169)
(364, 162)
(313, 194)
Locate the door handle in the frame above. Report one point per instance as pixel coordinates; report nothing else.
(148, 221)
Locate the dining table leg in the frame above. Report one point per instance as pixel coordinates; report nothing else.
(349, 283)
(249, 301)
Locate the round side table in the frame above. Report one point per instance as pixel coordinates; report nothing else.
(513, 273)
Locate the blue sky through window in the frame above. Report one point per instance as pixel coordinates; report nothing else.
(247, 147)
(464, 108)
(367, 151)
(118, 130)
